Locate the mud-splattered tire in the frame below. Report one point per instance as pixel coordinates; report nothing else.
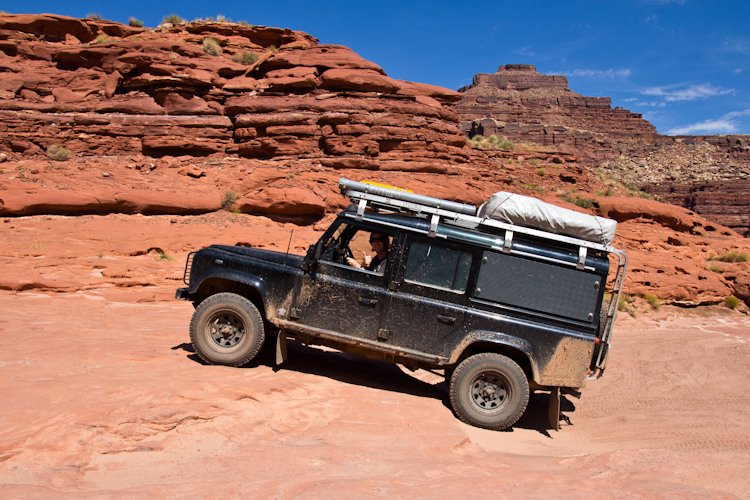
(489, 390)
(227, 329)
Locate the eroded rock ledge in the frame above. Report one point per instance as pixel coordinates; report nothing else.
(97, 87)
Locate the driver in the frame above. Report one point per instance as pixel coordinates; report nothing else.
(381, 246)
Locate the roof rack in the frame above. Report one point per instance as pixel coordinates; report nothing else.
(397, 200)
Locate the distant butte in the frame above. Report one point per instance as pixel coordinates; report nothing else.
(522, 104)
(707, 174)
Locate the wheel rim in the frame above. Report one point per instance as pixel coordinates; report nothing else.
(489, 391)
(226, 329)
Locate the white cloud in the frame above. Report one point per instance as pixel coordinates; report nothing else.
(691, 93)
(594, 73)
(737, 45)
(737, 71)
(525, 51)
(724, 125)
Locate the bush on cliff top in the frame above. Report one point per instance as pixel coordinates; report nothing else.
(172, 19)
(135, 22)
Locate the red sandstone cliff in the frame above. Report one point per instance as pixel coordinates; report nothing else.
(167, 122)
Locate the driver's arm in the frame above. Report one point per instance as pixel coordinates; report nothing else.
(352, 262)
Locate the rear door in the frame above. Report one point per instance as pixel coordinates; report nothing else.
(428, 294)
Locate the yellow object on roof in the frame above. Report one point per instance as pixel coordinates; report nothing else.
(387, 186)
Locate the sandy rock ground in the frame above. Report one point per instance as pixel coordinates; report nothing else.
(106, 399)
(103, 396)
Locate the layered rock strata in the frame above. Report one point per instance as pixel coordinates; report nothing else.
(521, 104)
(97, 87)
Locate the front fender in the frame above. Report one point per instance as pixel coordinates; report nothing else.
(228, 275)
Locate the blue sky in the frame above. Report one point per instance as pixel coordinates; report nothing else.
(683, 64)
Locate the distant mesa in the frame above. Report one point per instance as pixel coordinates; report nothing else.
(522, 104)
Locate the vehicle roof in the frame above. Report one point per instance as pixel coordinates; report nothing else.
(482, 236)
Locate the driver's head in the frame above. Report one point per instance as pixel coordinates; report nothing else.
(379, 241)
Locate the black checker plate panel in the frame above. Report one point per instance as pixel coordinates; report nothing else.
(539, 286)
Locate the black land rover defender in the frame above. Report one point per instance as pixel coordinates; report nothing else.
(500, 308)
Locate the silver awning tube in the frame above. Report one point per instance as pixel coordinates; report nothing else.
(349, 185)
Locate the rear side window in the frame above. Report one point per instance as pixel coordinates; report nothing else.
(438, 266)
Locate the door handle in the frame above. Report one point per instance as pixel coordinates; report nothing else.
(368, 302)
(448, 320)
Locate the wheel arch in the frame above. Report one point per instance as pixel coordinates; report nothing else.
(517, 349)
(250, 287)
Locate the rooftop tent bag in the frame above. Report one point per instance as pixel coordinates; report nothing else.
(530, 212)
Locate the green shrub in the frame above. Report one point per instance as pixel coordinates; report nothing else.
(714, 268)
(101, 38)
(538, 189)
(246, 58)
(534, 161)
(222, 19)
(653, 300)
(58, 153)
(578, 201)
(272, 48)
(541, 171)
(229, 198)
(732, 302)
(135, 22)
(605, 192)
(162, 255)
(625, 304)
(491, 142)
(211, 46)
(38, 244)
(730, 257)
(173, 19)
(244, 23)
(94, 17)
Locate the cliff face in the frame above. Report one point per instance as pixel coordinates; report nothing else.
(707, 174)
(521, 104)
(97, 87)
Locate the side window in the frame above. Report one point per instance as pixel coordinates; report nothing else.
(438, 266)
(358, 248)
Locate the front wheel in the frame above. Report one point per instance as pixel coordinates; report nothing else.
(227, 329)
(489, 390)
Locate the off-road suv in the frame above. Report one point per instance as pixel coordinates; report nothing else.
(502, 310)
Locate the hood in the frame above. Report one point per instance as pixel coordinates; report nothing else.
(261, 254)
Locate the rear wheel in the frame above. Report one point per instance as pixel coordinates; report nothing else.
(489, 390)
(227, 329)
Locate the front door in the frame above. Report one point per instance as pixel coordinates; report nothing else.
(339, 297)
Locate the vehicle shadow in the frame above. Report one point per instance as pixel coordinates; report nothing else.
(347, 368)
(356, 370)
